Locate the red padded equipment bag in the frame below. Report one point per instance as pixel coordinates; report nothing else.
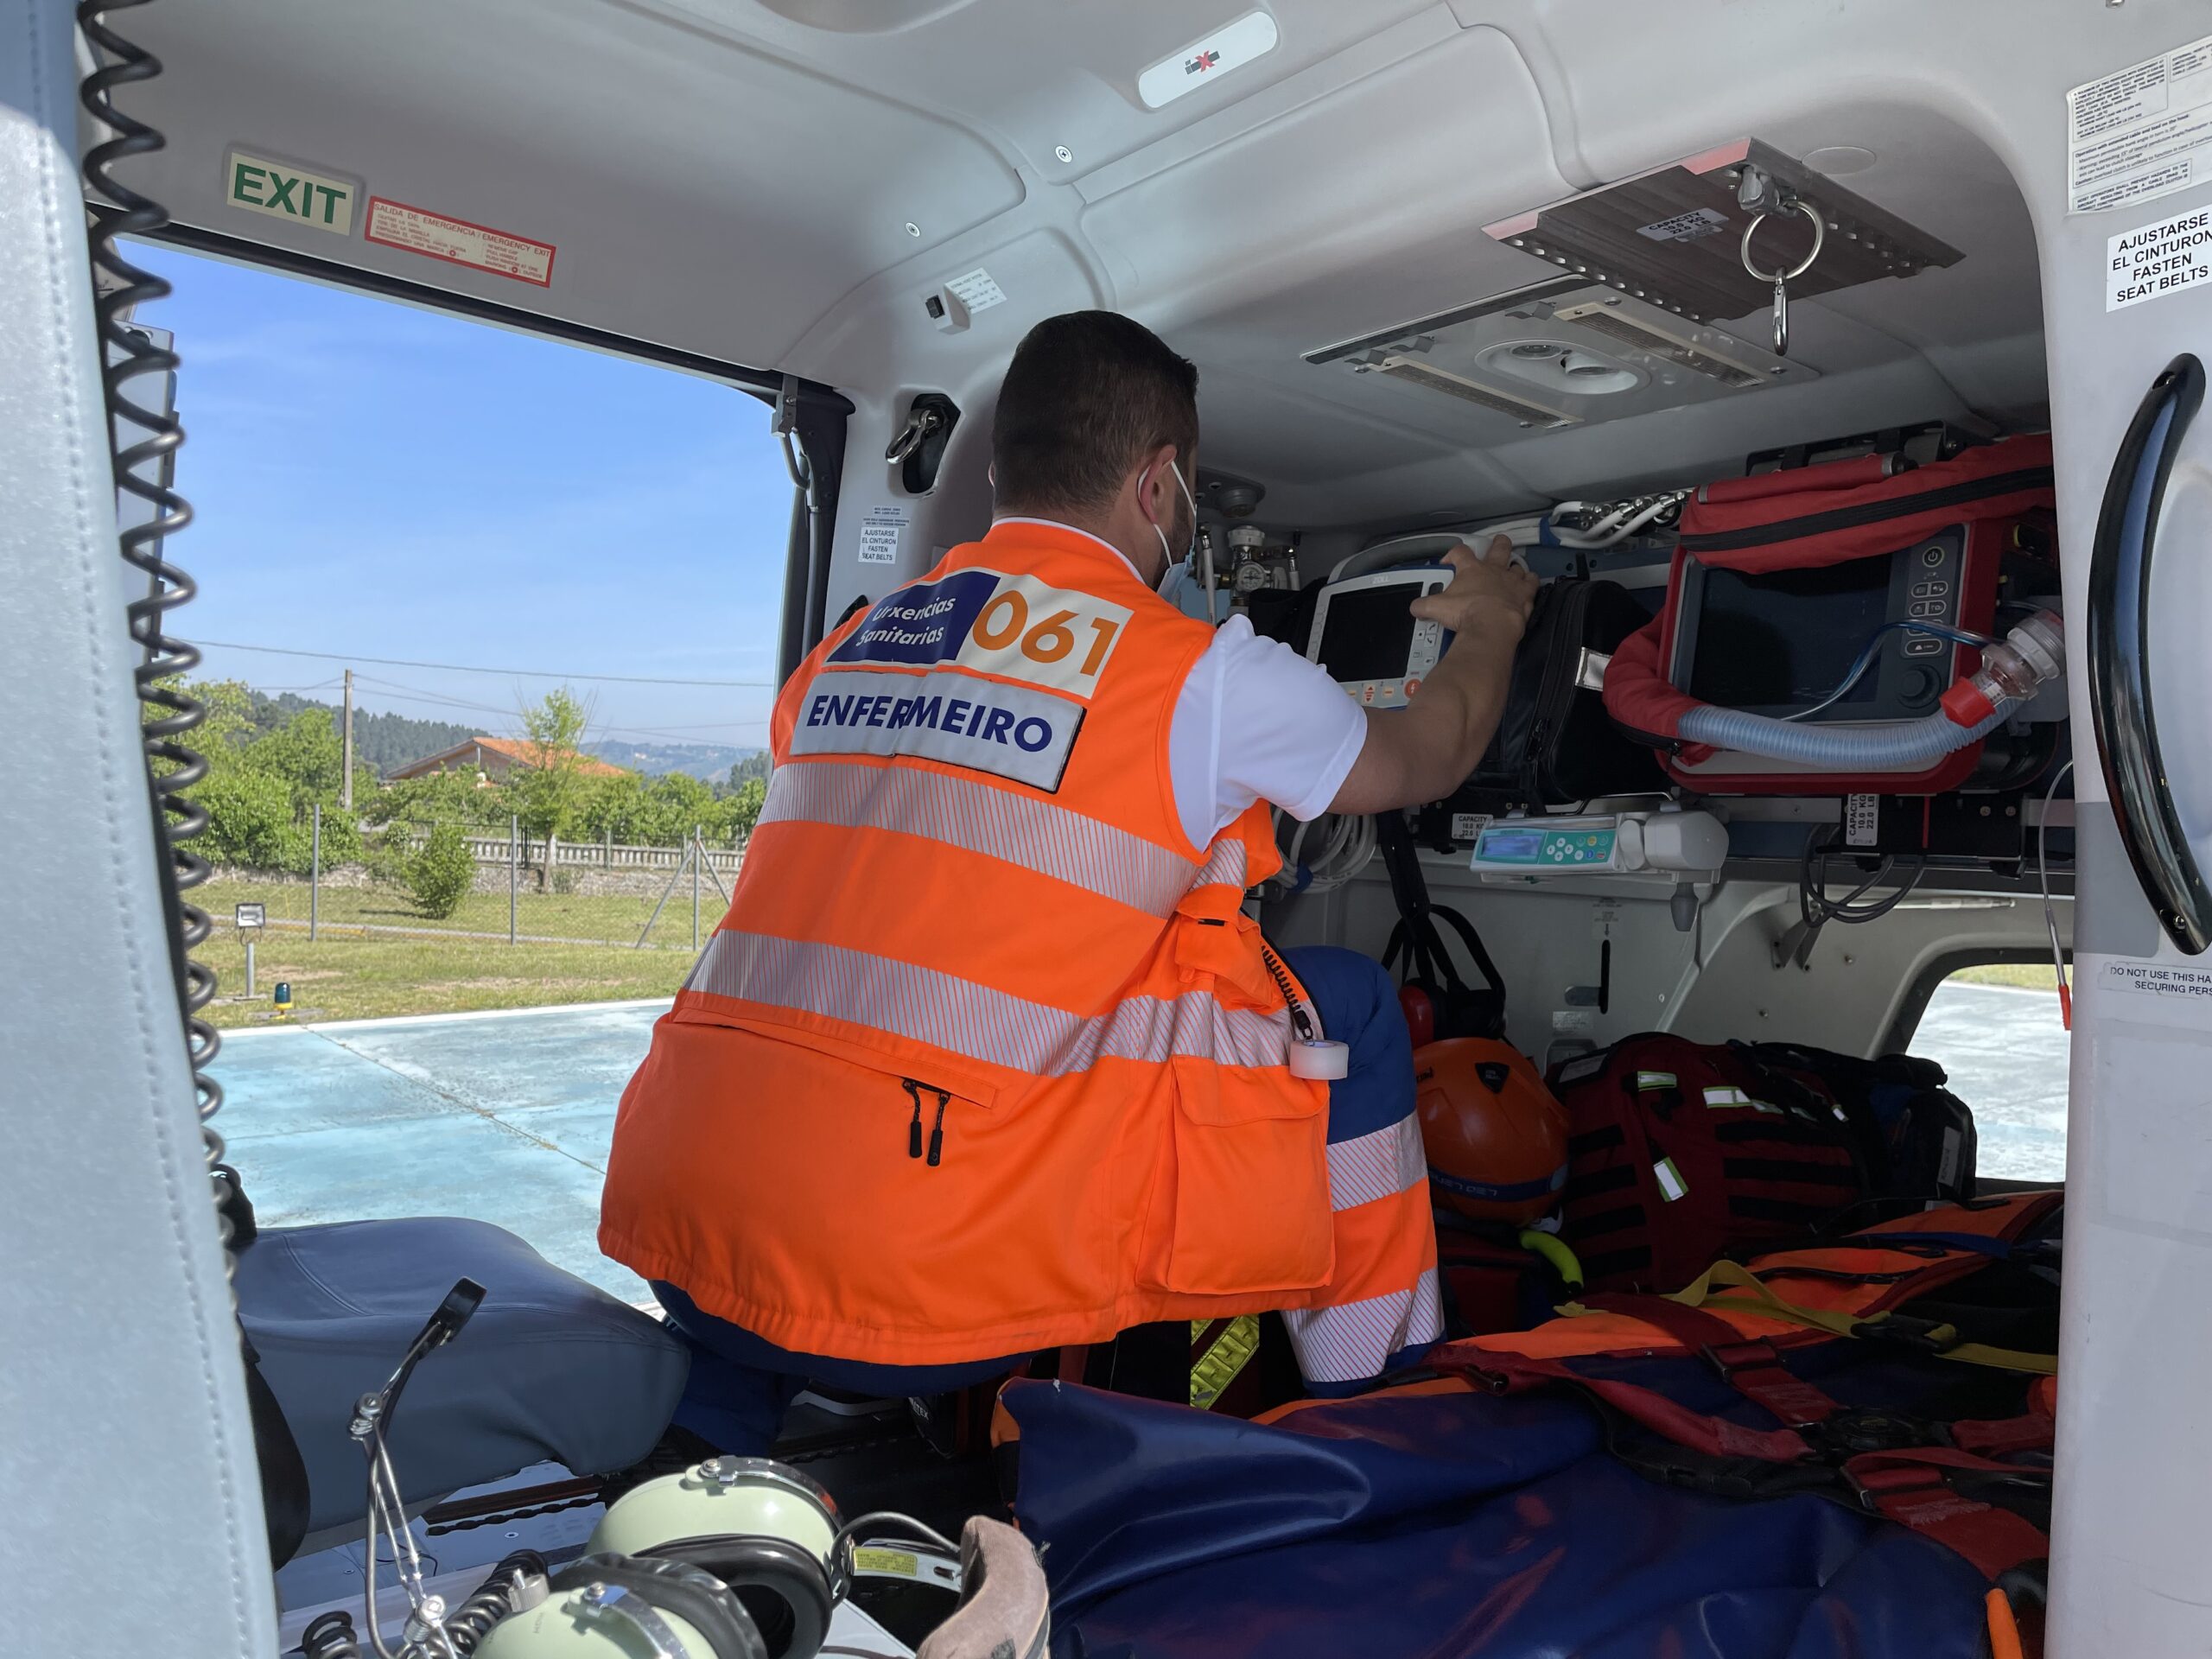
(1812, 517)
(1681, 1153)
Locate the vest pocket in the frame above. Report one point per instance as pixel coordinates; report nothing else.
(1251, 1212)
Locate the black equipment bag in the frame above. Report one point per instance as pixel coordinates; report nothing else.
(1916, 1138)
(1555, 743)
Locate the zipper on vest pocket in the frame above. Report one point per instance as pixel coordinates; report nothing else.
(913, 1088)
(1298, 1016)
(914, 1128)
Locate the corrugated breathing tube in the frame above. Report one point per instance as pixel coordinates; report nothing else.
(1905, 746)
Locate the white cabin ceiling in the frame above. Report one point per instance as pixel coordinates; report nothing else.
(735, 178)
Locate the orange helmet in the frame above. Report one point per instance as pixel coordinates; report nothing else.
(1495, 1135)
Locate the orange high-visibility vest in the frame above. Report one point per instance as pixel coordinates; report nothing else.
(986, 1057)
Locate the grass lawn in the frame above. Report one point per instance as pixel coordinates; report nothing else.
(614, 918)
(350, 974)
(2022, 975)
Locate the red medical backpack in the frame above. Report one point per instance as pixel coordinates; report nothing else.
(1680, 1152)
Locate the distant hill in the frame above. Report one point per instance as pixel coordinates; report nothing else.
(710, 762)
(388, 740)
(381, 740)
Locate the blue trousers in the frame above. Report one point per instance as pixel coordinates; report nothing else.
(741, 1384)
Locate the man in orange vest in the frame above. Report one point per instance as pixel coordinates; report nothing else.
(986, 1057)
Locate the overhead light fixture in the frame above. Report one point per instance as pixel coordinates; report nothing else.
(1527, 410)
(1610, 320)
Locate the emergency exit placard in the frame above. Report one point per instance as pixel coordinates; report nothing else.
(458, 242)
(261, 184)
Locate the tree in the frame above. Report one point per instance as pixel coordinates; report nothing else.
(755, 765)
(442, 872)
(741, 812)
(549, 787)
(438, 797)
(250, 819)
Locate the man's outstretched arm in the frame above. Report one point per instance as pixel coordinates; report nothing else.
(1423, 751)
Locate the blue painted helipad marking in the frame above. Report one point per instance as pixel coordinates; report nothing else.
(503, 1117)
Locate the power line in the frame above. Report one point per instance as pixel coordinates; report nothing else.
(391, 690)
(470, 668)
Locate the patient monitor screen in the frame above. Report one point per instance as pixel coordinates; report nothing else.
(1787, 640)
(1370, 632)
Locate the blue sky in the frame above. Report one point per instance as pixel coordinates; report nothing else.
(369, 478)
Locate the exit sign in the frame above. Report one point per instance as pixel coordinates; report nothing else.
(281, 190)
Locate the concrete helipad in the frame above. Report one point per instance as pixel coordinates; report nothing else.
(507, 1117)
(504, 1117)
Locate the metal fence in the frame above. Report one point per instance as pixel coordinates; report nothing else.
(521, 889)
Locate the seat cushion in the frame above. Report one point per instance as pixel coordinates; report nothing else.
(549, 1367)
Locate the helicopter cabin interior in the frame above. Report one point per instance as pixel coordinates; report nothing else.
(1635, 286)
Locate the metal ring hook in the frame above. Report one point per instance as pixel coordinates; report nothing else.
(1820, 240)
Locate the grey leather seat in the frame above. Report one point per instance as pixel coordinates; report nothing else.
(549, 1367)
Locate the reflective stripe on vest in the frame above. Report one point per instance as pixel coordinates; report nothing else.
(976, 1020)
(1378, 1165)
(1224, 867)
(1355, 1340)
(978, 819)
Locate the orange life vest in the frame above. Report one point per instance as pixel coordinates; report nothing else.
(985, 1056)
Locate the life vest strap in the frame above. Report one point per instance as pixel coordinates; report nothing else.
(1897, 1467)
(1746, 1293)
(1753, 1368)
(1912, 1488)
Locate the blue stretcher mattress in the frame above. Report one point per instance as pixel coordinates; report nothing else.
(1434, 1526)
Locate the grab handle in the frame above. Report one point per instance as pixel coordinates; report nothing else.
(2120, 674)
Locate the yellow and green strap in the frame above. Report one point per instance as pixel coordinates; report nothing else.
(1215, 1369)
(1747, 1294)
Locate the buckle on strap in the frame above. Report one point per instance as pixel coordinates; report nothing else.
(1848, 1433)
(1898, 1490)
(1921, 1336)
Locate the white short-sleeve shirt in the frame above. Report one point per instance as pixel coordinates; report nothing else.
(1255, 722)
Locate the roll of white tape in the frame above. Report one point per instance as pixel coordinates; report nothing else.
(1321, 1059)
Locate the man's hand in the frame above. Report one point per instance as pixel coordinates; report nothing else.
(1423, 751)
(1489, 595)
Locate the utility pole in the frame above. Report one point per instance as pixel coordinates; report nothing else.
(345, 781)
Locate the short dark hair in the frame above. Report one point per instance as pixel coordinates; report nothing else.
(1087, 395)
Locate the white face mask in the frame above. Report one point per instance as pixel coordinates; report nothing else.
(1168, 578)
(1177, 579)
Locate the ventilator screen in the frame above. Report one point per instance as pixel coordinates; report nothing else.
(1787, 640)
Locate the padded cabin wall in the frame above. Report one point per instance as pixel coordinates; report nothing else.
(132, 1519)
(1716, 983)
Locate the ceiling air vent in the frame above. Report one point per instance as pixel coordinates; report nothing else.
(1526, 411)
(1603, 317)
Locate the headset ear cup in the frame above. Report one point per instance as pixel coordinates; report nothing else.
(690, 1593)
(784, 1588)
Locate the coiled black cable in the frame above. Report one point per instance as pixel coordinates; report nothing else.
(331, 1637)
(1817, 910)
(499, 1594)
(173, 767)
